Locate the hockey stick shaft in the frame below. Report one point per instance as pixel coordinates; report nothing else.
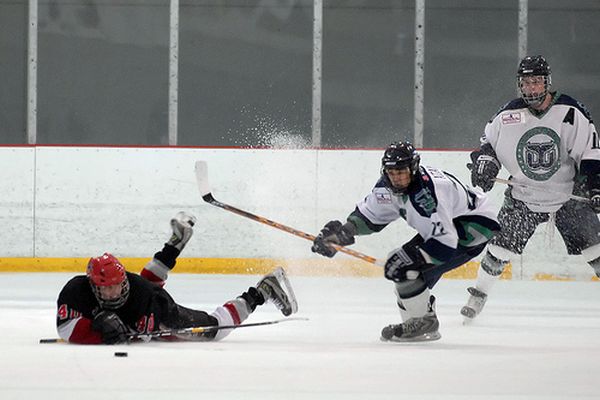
(192, 330)
(203, 186)
(210, 199)
(511, 183)
(206, 329)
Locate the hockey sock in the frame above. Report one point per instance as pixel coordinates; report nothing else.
(417, 306)
(490, 270)
(485, 281)
(233, 312)
(253, 298)
(157, 270)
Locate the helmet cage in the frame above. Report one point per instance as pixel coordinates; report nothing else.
(534, 66)
(104, 271)
(112, 304)
(534, 99)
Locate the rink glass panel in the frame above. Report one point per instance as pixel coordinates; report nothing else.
(470, 64)
(13, 72)
(245, 73)
(245, 69)
(103, 72)
(368, 72)
(567, 34)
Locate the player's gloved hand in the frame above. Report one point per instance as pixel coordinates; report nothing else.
(110, 326)
(595, 200)
(333, 232)
(404, 263)
(483, 170)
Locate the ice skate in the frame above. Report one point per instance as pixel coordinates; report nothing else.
(276, 288)
(419, 329)
(182, 225)
(474, 305)
(416, 329)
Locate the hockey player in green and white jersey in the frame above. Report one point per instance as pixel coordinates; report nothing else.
(545, 140)
(453, 221)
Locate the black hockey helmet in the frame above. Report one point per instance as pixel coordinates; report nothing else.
(534, 66)
(400, 155)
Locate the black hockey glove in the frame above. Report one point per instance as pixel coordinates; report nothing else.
(484, 169)
(589, 177)
(404, 263)
(110, 326)
(333, 232)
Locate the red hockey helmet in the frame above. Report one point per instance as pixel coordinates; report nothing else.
(105, 271)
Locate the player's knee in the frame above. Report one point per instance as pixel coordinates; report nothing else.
(493, 265)
(410, 288)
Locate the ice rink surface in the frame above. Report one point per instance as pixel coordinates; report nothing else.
(535, 340)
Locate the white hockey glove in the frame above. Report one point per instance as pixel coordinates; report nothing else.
(333, 232)
(182, 225)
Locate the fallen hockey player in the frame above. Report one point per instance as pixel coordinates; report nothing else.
(109, 305)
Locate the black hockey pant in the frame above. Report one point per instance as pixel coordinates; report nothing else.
(575, 220)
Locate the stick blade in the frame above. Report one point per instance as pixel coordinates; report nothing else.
(201, 170)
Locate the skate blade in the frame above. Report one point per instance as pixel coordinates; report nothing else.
(427, 337)
(281, 276)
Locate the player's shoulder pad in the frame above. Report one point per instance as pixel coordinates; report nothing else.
(433, 173)
(380, 183)
(567, 100)
(76, 281)
(76, 289)
(514, 104)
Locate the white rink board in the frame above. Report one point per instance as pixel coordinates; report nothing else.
(17, 201)
(83, 201)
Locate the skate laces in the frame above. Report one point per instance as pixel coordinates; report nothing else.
(412, 325)
(477, 298)
(275, 292)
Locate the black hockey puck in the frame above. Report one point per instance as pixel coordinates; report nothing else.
(120, 354)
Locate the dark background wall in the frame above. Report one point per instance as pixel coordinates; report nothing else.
(245, 69)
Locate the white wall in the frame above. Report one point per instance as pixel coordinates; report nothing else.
(77, 202)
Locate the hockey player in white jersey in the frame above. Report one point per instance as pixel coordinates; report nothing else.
(453, 221)
(545, 140)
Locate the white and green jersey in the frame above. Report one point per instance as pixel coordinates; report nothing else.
(544, 149)
(444, 211)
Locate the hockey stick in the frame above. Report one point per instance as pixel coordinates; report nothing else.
(511, 183)
(204, 187)
(192, 330)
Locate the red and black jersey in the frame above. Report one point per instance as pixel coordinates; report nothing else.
(147, 307)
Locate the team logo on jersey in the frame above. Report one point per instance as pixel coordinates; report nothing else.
(425, 202)
(511, 118)
(538, 153)
(383, 198)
